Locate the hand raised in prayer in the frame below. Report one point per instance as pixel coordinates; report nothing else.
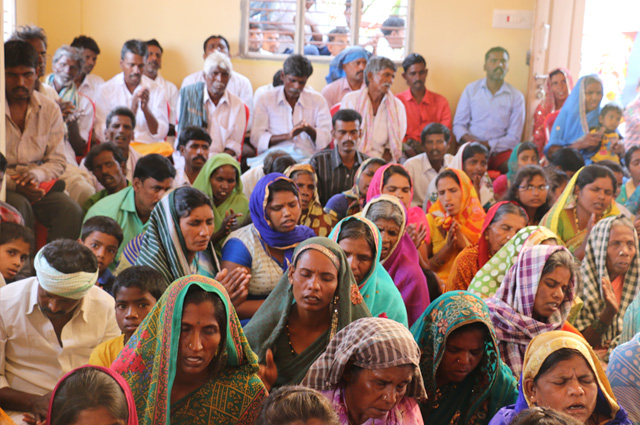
(611, 301)
(140, 98)
(67, 108)
(417, 233)
(268, 372)
(236, 283)
(231, 222)
(452, 237)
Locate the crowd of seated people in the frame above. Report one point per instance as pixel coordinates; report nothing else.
(211, 255)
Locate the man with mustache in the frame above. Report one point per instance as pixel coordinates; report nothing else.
(107, 165)
(49, 324)
(352, 61)
(210, 105)
(193, 145)
(384, 120)
(88, 83)
(35, 148)
(143, 96)
(491, 111)
(119, 130)
(423, 106)
(152, 65)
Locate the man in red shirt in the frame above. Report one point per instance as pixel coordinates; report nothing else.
(423, 106)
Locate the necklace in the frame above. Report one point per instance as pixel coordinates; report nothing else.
(289, 340)
(575, 215)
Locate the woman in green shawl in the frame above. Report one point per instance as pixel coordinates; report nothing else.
(220, 180)
(189, 361)
(465, 379)
(360, 240)
(315, 298)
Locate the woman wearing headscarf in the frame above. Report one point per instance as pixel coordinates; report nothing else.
(361, 242)
(525, 154)
(502, 222)
(535, 297)
(265, 247)
(314, 299)
(558, 86)
(312, 215)
(220, 180)
(465, 379)
(398, 254)
(488, 279)
(371, 350)
(610, 280)
(561, 372)
(578, 116)
(588, 198)
(189, 361)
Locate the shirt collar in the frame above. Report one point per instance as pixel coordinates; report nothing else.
(207, 98)
(33, 303)
(282, 99)
(129, 202)
(336, 161)
(505, 88)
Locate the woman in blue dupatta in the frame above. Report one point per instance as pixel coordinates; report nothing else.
(578, 116)
(360, 240)
(265, 248)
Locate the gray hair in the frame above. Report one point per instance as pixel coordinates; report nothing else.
(385, 210)
(215, 60)
(292, 404)
(622, 220)
(30, 32)
(560, 258)
(377, 64)
(72, 53)
(509, 208)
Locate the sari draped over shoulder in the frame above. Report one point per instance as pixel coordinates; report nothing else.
(148, 364)
(163, 246)
(268, 327)
(593, 270)
(624, 376)
(486, 389)
(377, 288)
(403, 265)
(547, 106)
(489, 278)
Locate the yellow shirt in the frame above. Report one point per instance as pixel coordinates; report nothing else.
(105, 353)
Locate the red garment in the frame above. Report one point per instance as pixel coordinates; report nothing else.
(545, 107)
(433, 108)
(498, 159)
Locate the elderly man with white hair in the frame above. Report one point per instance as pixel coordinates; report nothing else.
(211, 106)
(49, 324)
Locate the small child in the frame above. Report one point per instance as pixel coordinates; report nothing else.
(103, 236)
(610, 117)
(16, 243)
(136, 290)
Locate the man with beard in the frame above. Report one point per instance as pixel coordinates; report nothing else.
(152, 65)
(49, 325)
(88, 83)
(119, 129)
(491, 111)
(422, 106)
(384, 120)
(211, 105)
(107, 165)
(193, 145)
(352, 61)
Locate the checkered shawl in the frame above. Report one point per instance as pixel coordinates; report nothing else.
(511, 309)
(594, 268)
(370, 343)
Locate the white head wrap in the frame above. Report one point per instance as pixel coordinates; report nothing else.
(68, 285)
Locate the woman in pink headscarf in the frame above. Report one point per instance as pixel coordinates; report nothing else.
(558, 86)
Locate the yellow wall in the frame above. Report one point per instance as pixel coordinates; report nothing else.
(452, 35)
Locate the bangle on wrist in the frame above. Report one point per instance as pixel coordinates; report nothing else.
(599, 326)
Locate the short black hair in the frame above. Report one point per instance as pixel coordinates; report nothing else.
(145, 278)
(612, 165)
(280, 164)
(226, 42)
(193, 132)
(392, 21)
(103, 147)
(627, 156)
(282, 185)
(122, 111)
(3, 163)
(346, 115)
(413, 59)
(69, 256)
(85, 42)
(435, 128)
(155, 166)
(20, 53)
(610, 107)
(591, 172)
(568, 159)
(30, 32)
(496, 49)
(102, 224)
(154, 42)
(137, 47)
(13, 231)
(474, 148)
(298, 66)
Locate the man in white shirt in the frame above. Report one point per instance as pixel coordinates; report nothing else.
(49, 325)
(212, 106)
(88, 83)
(391, 44)
(384, 119)
(295, 120)
(146, 99)
(152, 65)
(193, 144)
(425, 167)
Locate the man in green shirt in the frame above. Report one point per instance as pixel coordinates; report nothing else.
(107, 164)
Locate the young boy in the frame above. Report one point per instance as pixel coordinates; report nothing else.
(610, 148)
(103, 236)
(16, 243)
(136, 290)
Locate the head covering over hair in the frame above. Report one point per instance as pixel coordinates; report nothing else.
(149, 361)
(594, 269)
(68, 285)
(488, 279)
(349, 54)
(486, 389)
(403, 264)
(131, 406)
(369, 343)
(355, 198)
(377, 288)
(268, 326)
(163, 246)
(512, 306)
(513, 160)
